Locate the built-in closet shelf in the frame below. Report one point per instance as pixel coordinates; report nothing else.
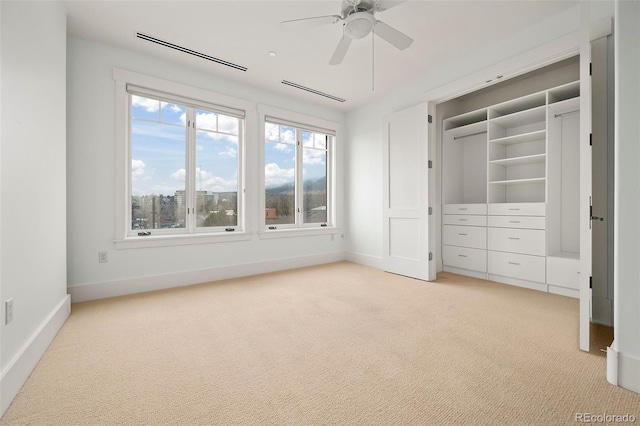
(566, 255)
(566, 91)
(566, 106)
(518, 181)
(527, 159)
(524, 137)
(517, 105)
(521, 118)
(468, 130)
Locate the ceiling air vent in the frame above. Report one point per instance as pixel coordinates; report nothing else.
(189, 51)
(316, 92)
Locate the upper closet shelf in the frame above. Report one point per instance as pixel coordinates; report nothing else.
(521, 138)
(468, 130)
(521, 118)
(566, 106)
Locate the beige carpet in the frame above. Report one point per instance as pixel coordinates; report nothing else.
(336, 344)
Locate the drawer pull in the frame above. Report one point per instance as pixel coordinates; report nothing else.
(514, 221)
(462, 220)
(460, 233)
(462, 208)
(514, 209)
(514, 238)
(462, 255)
(514, 263)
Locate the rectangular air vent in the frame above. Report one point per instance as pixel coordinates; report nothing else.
(189, 51)
(316, 92)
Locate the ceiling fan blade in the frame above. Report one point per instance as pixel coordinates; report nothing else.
(341, 51)
(295, 24)
(392, 36)
(382, 5)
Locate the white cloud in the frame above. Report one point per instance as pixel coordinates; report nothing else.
(179, 174)
(283, 147)
(137, 168)
(313, 156)
(228, 124)
(150, 105)
(274, 175)
(208, 181)
(230, 152)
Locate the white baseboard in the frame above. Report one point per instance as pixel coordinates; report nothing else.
(21, 366)
(103, 290)
(629, 372)
(365, 259)
(564, 291)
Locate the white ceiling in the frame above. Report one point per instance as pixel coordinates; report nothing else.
(244, 32)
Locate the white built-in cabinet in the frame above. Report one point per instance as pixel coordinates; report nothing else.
(510, 191)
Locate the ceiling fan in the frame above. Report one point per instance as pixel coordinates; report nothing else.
(358, 21)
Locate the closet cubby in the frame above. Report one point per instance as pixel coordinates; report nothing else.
(465, 141)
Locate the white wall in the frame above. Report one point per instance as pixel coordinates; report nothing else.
(32, 179)
(91, 190)
(365, 131)
(627, 195)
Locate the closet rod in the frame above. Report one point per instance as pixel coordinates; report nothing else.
(466, 136)
(563, 113)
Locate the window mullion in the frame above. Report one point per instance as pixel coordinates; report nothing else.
(299, 178)
(190, 172)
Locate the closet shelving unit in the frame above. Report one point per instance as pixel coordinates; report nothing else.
(510, 176)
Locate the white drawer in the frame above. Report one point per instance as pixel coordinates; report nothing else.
(461, 219)
(528, 222)
(465, 258)
(524, 241)
(465, 236)
(517, 209)
(563, 272)
(521, 266)
(464, 209)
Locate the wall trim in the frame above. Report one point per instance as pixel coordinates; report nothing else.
(103, 290)
(22, 365)
(365, 259)
(629, 372)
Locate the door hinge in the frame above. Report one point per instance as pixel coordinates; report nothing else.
(430, 256)
(430, 211)
(590, 68)
(590, 139)
(590, 282)
(430, 164)
(430, 118)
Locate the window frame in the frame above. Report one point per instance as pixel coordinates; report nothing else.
(193, 98)
(301, 123)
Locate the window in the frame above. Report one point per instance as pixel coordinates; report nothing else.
(298, 175)
(184, 168)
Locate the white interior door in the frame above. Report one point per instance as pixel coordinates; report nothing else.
(585, 179)
(406, 210)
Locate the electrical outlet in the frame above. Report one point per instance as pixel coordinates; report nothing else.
(103, 257)
(8, 311)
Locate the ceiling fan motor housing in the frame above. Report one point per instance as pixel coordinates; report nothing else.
(358, 25)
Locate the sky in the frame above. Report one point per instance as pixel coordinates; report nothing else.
(158, 150)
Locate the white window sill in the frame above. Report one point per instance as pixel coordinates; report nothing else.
(179, 240)
(297, 232)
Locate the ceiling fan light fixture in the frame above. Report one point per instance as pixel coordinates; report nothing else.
(359, 25)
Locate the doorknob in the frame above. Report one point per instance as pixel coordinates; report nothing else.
(601, 219)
